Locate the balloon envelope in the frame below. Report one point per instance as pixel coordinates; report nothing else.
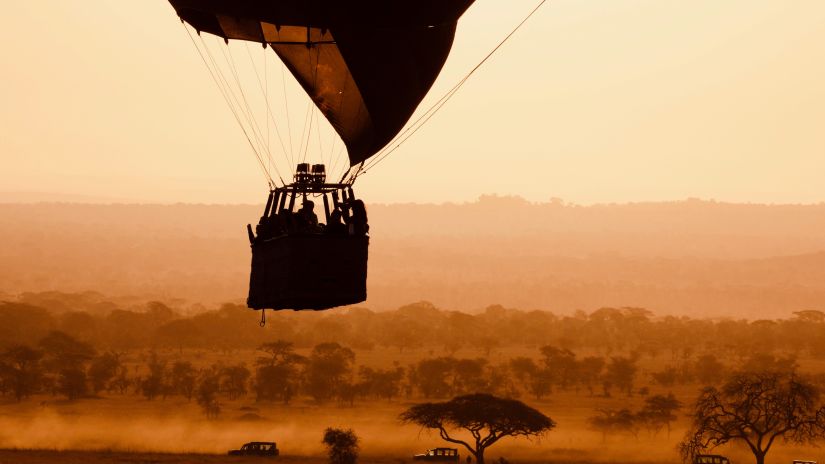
(366, 64)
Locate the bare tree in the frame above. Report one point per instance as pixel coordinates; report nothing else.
(486, 417)
(756, 408)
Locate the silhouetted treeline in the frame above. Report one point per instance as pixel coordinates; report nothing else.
(156, 352)
(417, 326)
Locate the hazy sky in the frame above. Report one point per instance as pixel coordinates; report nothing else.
(593, 101)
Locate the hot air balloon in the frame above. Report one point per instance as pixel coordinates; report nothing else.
(366, 65)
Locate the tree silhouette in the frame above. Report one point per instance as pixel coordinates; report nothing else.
(233, 380)
(560, 364)
(342, 446)
(277, 374)
(659, 411)
(621, 372)
(19, 367)
(279, 351)
(182, 379)
(756, 409)
(102, 370)
(329, 366)
(609, 421)
(206, 394)
(487, 418)
(154, 384)
(707, 368)
(72, 383)
(430, 376)
(381, 383)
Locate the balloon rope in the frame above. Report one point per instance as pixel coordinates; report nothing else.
(265, 91)
(288, 124)
(309, 135)
(224, 92)
(318, 133)
(338, 158)
(314, 86)
(304, 133)
(230, 60)
(402, 137)
(266, 96)
(238, 109)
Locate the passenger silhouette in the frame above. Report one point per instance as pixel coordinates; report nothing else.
(336, 224)
(358, 220)
(265, 228)
(306, 218)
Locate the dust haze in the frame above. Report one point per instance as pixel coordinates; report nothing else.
(702, 257)
(123, 328)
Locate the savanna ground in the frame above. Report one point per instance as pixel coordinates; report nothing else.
(115, 428)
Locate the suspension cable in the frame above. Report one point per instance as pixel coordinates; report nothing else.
(314, 86)
(269, 112)
(402, 137)
(288, 124)
(249, 114)
(237, 108)
(223, 91)
(304, 135)
(337, 158)
(230, 90)
(309, 135)
(266, 93)
(318, 133)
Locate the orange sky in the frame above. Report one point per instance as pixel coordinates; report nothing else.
(593, 101)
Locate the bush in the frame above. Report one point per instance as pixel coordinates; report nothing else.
(342, 446)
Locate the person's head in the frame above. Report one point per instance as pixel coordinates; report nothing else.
(308, 205)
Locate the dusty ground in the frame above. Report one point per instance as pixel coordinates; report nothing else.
(136, 431)
(122, 457)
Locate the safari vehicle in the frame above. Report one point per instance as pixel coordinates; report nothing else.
(438, 454)
(710, 459)
(256, 448)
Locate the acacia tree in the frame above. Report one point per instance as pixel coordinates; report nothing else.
(755, 408)
(486, 417)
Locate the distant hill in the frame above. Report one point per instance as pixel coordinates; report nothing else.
(698, 257)
(47, 197)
